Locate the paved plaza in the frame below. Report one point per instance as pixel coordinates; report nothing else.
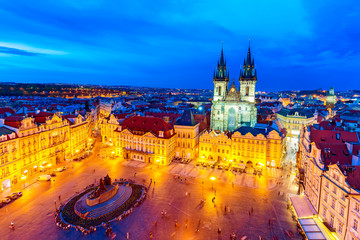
(33, 214)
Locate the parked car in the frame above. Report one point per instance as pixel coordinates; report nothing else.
(13, 196)
(53, 174)
(227, 167)
(60, 169)
(44, 178)
(1, 204)
(5, 200)
(213, 165)
(10, 199)
(198, 163)
(219, 166)
(19, 194)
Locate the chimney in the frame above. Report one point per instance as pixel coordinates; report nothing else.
(166, 119)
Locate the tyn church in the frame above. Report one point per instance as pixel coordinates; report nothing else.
(233, 107)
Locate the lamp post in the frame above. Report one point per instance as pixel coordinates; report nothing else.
(158, 162)
(212, 182)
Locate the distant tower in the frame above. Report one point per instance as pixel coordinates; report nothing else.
(220, 79)
(331, 98)
(248, 79)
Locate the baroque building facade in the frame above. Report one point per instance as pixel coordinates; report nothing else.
(232, 107)
(35, 143)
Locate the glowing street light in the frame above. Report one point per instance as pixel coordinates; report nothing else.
(212, 181)
(158, 161)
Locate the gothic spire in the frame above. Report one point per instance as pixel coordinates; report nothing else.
(221, 71)
(249, 71)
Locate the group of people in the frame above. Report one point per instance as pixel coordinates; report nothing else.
(59, 222)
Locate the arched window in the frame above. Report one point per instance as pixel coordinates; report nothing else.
(247, 91)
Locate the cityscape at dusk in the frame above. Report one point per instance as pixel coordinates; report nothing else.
(179, 120)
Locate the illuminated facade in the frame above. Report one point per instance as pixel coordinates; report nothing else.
(247, 145)
(144, 139)
(293, 120)
(34, 144)
(232, 108)
(331, 181)
(187, 141)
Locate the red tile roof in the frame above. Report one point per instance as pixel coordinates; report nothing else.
(41, 116)
(332, 145)
(335, 153)
(333, 137)
(353, 177)
(148, 124)
(172, 116)
(6, 110)
(13, 121)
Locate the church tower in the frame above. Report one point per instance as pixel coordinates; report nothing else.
(221, 79)
(248, 79)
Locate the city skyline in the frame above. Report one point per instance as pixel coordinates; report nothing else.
(179, 45)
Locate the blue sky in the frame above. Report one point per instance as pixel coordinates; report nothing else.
(296, 44)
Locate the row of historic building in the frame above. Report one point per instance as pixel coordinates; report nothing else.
(228, 137)
(33, 143)
(156, 140)
(330, 176)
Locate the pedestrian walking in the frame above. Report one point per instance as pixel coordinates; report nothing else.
(269, 222)
(134, 174)
(249, 213)
(59, 198)
(213, 199)
(127, 236)
(154, 183)
(215, 192)
(219, 231)
(225, 209)
(252, 210)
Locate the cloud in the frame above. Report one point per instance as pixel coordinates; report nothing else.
(15, 51)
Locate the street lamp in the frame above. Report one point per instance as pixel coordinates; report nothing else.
(212, 181)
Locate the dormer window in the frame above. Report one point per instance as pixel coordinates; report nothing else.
(161, 134)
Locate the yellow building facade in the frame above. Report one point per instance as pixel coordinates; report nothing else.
(33, 146)
(246, 146)
(144, 139)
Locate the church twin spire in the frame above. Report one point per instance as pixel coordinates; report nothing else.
(221, 72)
(249, 71)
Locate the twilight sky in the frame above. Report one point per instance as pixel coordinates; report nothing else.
(167, 43)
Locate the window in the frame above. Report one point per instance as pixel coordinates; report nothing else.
(333, 203)
(340, 228)
(355, 224)
(343, 196)
(334, 189)
(357, 207)
(324, 212)
(331, 223)
(325, 197)
(247, 91)
(342, 210)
